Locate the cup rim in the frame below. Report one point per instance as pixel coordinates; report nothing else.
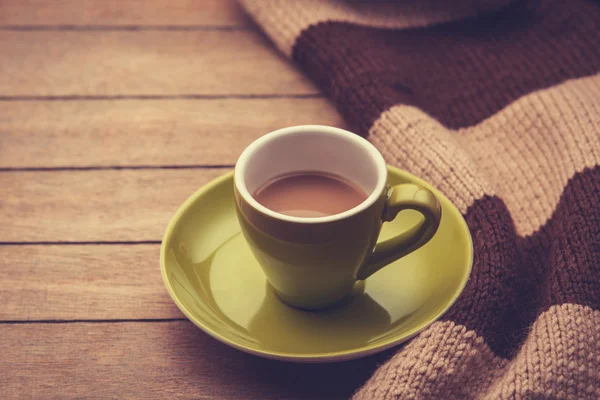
(376, 156)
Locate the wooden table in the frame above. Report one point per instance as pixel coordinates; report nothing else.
(111, 114)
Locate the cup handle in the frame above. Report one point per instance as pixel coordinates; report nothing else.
(405, 196)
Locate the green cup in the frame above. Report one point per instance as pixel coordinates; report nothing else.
(313, 263)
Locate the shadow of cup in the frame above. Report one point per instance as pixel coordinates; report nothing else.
(351, 324)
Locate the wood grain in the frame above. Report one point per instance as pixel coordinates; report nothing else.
(157, 360)
(83, 282)
(144, 63)
(148, 132)
(121, 12)
(131, 51)
(132, 205)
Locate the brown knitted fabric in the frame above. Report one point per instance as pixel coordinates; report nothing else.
(498, 105)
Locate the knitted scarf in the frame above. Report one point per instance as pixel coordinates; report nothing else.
(497, 104)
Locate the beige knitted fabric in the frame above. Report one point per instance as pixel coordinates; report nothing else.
(498, 105)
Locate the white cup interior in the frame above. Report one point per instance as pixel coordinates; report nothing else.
(311, 148)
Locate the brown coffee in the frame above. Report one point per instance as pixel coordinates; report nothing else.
(310, 194)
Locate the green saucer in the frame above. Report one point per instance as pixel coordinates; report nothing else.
(215, 281)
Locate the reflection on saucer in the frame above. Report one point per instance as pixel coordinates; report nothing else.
(240, 293)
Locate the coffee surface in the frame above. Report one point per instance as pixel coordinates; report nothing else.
(310, 194)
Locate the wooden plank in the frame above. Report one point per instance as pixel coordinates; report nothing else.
(121, 13)
(148, 132)
(144, 63)
(83, 282)
(132, 205)
(157, 360)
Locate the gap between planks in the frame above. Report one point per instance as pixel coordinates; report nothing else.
(80, 243)
(176, 13)
(111, 168)
(109, 28)
(88, 321)
(165, 97)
